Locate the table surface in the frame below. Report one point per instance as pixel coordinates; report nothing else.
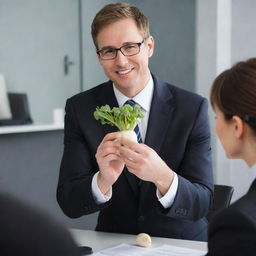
(102, 240)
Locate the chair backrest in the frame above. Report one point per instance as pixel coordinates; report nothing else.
(222, 198)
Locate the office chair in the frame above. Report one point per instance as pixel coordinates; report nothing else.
(222, 199)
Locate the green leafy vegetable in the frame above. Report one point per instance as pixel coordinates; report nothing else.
(124, 118)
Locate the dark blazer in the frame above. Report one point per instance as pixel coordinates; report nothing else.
(178, 131)
(232, 232)
(29, 232)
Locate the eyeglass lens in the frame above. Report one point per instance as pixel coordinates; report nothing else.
(126, 50)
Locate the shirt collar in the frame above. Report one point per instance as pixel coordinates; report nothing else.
(253, 170)
(143, 98)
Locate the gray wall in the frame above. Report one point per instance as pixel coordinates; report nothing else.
(34, 38)
(173, 27)
(243, 30)
(30, 168)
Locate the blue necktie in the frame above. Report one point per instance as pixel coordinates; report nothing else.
(136, 128)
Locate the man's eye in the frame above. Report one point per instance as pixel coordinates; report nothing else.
(129, 47)
(108, 51)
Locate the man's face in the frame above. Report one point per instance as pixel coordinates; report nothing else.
(130, 74)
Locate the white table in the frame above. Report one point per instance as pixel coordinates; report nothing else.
(103, 240)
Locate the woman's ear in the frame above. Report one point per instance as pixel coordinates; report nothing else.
(238, 126)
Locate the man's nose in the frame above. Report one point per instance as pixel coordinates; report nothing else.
(120, 58)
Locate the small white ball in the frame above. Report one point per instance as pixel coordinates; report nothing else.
(143, 240)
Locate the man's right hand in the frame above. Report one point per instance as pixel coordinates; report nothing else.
(109, 162)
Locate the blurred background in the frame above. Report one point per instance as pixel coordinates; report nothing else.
(46, 52)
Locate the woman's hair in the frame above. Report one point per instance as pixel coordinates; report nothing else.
(115, 12)
(234, 92)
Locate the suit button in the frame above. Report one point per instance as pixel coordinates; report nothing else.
(177, 210)
(141, 218)
(181, 211)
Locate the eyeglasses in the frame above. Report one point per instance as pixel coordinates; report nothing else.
(127, 50)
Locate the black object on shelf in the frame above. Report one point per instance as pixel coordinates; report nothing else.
(19, 109)
(85, 250)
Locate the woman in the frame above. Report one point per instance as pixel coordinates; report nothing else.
(233, 98)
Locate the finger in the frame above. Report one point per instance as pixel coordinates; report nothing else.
(127, 142)
(132, 169)
(129, 155)
(109, 146)
(111, 136)
(112, 157)
(137, 147)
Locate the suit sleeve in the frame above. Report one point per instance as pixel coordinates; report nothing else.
(74, 193)
(195, 189)
(232, 233)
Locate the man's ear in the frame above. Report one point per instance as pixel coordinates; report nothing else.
(238, 126)
(150, 44)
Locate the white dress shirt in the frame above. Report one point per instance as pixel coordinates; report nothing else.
(144, 99)
(253, 171)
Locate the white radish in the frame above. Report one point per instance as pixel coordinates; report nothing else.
(131, 135)
(143, 240)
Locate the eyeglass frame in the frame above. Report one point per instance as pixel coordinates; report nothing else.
(120, 49)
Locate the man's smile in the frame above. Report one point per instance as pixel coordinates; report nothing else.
(124, 72)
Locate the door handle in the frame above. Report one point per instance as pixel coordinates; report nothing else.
(67, 63)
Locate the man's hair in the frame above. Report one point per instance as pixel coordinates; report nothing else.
(114, 12)
(234, 92)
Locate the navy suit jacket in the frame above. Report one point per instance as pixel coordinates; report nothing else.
(232, 232)
(178, 131)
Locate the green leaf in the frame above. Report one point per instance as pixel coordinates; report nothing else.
(124, 118)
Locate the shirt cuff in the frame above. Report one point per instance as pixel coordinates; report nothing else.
(98, 196)
(168, 199)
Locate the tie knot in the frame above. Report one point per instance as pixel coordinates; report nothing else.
(131, 102)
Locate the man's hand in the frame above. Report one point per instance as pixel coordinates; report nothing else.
(109, 162)
(146, 164)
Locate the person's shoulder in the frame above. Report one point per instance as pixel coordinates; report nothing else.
(91, 93)
(246, 205)
(232, 230)
(241, 212)
(22, 223)
(179, 92)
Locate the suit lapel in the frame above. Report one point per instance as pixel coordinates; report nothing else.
(160, 115)
(159, 120)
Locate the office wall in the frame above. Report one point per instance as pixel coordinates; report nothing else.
(34, 37)
(173, 26)
(30, 168)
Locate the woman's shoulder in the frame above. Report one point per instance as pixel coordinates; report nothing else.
(240, 213)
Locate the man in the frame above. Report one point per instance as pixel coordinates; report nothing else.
(28, 231)
(173, 163)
